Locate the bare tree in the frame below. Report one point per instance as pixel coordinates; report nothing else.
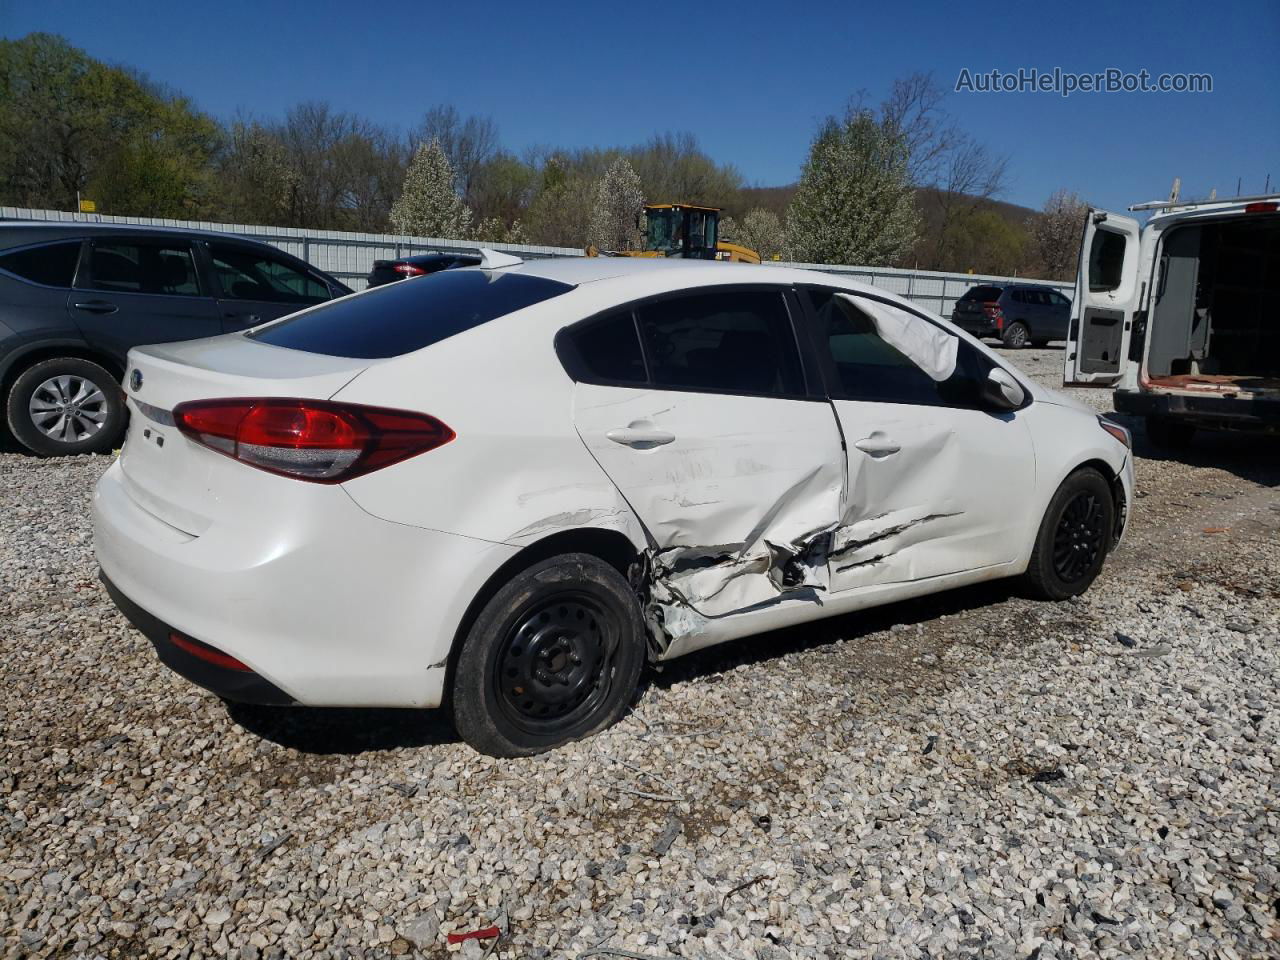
(971, 175)
(913, 111)
(1056, 234)
(469, 142)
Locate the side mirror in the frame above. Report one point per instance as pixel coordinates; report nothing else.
(1001, 391)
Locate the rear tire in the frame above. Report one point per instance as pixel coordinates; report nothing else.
(66, 406)
(1169, 434)
(1016, 335)
(554, 656)
(1074, 536)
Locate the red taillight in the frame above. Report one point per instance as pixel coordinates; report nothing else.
(207, 653)
(316, 440)
(994, 311)
(407, 270)
(1262, 206)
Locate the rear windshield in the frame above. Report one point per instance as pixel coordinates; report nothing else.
(402, 317)
(984, 294)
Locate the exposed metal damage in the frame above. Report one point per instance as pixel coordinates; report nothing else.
(687, 587)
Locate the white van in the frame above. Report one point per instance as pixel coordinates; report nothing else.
(1182, 315)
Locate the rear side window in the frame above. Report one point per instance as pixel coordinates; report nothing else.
(400, 318)
(248, 275)
(1106, 260)
(157, 268)
(605, 351)
(722, 341)
(983, 294)
(53, 264)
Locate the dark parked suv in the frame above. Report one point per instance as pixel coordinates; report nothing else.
(1016, 313)
(75, 297)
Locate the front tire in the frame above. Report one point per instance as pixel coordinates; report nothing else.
(1073, 539)
(66, 406)
(1016, 335)
(554, 656)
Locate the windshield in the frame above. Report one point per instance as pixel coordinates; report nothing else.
(660, 230)
(674, 232)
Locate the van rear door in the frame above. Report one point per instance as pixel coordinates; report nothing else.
(1106, 297)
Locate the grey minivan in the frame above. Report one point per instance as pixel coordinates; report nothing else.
(76, 297)
(1017, 313)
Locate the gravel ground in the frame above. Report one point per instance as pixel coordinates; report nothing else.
(969, 775)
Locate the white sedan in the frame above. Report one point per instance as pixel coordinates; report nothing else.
(505, 488)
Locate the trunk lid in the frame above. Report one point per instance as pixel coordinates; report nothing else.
(178, 481)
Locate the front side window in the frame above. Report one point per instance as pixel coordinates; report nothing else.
(1056, 299)
(52, 264)
(1106, 261)
(249, 275)
(137, 267)
(722, 342)
(399, 318)
(864, 366)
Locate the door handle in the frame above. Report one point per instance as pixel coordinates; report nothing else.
(878, 445)
(252, 319)
(96, 306)
(640, 437)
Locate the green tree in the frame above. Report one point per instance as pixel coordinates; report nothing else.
(617, 205)
(560, 213)
(985, 242)
(855, 202)
(70, 124)
(255, 178)
(429, 206)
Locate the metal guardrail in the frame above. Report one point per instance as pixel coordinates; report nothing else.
(350, 256)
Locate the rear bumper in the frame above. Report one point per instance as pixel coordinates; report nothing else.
(978, 326)
(323, 602)
(239, 685)
(1214, 413)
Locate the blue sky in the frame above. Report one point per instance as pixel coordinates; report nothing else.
(751, 80)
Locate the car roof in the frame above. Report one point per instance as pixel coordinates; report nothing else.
(81, 228)
(679, 272)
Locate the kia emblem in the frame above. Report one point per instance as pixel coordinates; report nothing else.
(135, 380)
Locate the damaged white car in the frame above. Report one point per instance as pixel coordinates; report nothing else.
(504, 488)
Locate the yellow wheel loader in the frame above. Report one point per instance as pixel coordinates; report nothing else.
(683, 230)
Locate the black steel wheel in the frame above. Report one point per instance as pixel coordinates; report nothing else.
(555, 655)
(553, 666)
(1074, 536)
(1081, 536)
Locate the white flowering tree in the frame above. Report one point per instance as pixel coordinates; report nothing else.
(1056, 234)
(429, 205)
(761, 231)
(855, 202)
(615, 212)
